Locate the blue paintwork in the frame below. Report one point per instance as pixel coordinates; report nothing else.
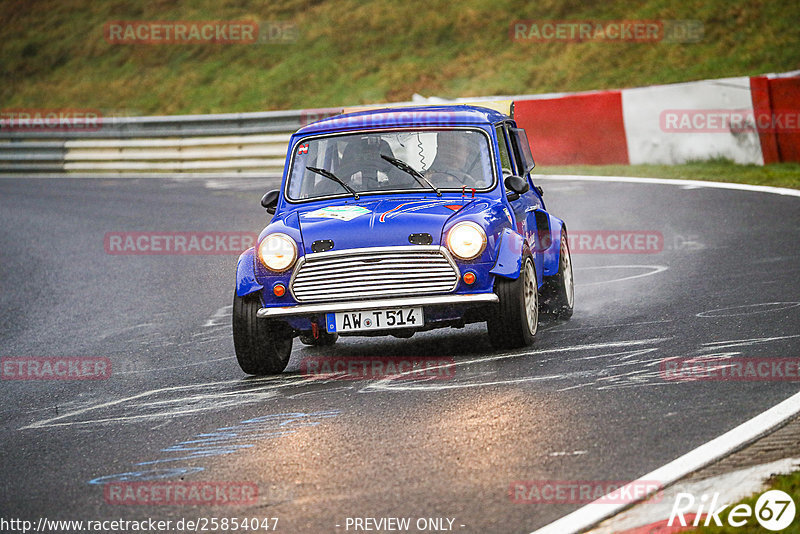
(389, 218)
(246, 281)
(508, 254)
(551, 254)
(386, 221)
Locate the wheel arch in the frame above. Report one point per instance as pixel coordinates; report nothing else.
(552, 252)
(508, 257)
(246, 282)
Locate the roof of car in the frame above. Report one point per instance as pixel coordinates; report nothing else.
(435, 116)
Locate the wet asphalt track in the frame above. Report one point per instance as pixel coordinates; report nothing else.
(585, 403)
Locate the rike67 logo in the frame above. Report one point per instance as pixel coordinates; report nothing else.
(774, 510)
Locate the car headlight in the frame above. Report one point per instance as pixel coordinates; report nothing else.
(466, 240)
(277, 252)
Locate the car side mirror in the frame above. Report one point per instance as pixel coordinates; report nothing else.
(515, 186)
(270, 200)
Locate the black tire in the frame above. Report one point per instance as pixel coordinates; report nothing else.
(263, 347)
(558, 294)
(324, 339)
(515, 321)
(403, 334)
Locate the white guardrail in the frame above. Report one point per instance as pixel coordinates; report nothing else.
(233, 144)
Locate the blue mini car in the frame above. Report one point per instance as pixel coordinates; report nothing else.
(394, 221)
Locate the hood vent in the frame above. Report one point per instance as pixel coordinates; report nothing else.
(322, 245)
(420, 239)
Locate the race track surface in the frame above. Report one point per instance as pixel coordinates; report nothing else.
(587, 402)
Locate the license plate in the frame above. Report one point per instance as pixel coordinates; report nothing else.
(374, 320)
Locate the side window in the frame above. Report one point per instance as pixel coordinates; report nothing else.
(522, 150)
(505, 157)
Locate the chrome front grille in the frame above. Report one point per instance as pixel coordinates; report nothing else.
(374, 272)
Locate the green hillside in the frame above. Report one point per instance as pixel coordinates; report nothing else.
(54, 53)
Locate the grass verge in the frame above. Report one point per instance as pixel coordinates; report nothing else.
(355, 52)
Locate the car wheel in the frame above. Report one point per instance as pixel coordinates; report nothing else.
(558, 295)
(262, 346)
(516, 320)
(323, 339)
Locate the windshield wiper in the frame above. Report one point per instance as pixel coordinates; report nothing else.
(405, 167)
(329, 175)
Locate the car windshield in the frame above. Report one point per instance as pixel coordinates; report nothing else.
(445, 159)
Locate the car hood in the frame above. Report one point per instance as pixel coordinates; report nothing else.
(375, 223)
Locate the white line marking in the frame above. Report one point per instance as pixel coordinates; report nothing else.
(591, 514)
(621, 356)
(656, 269)
(158, 369)
(749, 309)
(670, 181)
(589, 327)
(567, 453)
(391, 384)
(510, 381)
(257, 385)
(714, 345)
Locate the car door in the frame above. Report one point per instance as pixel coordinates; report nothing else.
(525, 207)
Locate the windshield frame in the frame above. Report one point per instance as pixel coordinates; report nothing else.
(362, 194)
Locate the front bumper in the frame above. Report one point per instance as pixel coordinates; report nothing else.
(358, 305)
